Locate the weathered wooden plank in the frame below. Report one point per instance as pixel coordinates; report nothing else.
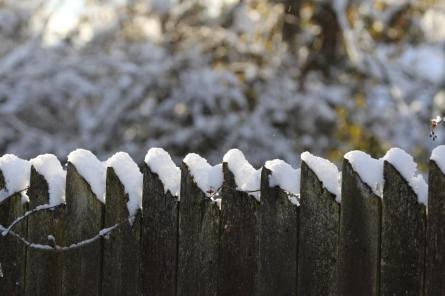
(239, 243)
(159, 238)
(198, 240)
(12, 252)
(43, 269)
(277, 241)
(83, 220)
(359, 242)
(319, 221)
(403, 237)
(435, 255)
(121, 251)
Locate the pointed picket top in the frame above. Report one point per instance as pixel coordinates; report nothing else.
(285, 177)
(208, 178)
(16, 174)
(438, 156)
(247, 178)
(161, 163)
(91, 169)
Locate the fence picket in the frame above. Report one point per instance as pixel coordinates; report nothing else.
(12, 252)
(277, 241)
(43, 269)
(83, 220)
(359, 242)
(319, 220)
(198, 240)
(403, 237)
(121, 250)
(159, 238)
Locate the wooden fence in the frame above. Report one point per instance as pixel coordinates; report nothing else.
(364, 246)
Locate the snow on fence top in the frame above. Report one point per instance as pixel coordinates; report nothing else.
(91, 169)
(326, 172)
(247, 178)
(160, 163)
(50, 168)
(438, 156)
(131, 177)
(285, 177)
(208, 178)
(16, 173)
(406, 166)
(369, 169)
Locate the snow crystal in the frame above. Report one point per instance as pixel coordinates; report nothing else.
(247, 178)
(405, 165)
(369, 169)
(16, 173)
(285, 177)
(160, 163)
(50, 168)
(208, 178)
(326, 172)
(91, 169)
(131, 177)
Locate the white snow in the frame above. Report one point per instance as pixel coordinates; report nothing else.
(50, 168)
(438, 156)
(131, 177)
(160, 163)
(247, 178)
(208, 178)
(16, 173)
(91, 169)
(405, 165)
(285, 177)
(369, 169)
(326, 172)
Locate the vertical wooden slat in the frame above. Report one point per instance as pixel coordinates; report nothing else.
(198, 240)
(403, 237)
(435, 255)
(12, 252)
(359, 242)
(239, 239)
(277, 237)
(82, 267)
(319, 221)
(159, 238)
(43, 268)
(121, 251)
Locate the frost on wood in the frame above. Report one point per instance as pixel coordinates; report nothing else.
(438, 156)
(247, 178)
(208, 178)
(16, 173)
(160, 163)
(50, 168)
(405, 165)
(326, 172)
(131, 177)
(369, 169)
(91, 169)
(285, 177)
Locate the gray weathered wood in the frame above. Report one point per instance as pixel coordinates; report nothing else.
(277, 241)
(159, 238)
(435, 255)
(319, 221)
(43, 269)
(12, 252)
(359, 242)
(83, 220)
(121, 251)
(199, 235)
(239, 239)
(403, 237)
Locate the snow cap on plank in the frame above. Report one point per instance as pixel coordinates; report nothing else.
(16, 173)
(284, 176)
(160, 163)
(208, 178)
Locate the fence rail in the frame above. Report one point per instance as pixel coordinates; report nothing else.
(365, 245)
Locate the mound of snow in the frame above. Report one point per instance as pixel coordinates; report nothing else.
(208, 178)
(369, 169)
(160, 163)
(16, 172)
(438, 156)
(285, 177)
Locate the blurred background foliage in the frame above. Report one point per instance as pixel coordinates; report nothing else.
(273, 78)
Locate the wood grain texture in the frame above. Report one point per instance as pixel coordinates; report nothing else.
(318, 237)
(359, 242)
(403, 237)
